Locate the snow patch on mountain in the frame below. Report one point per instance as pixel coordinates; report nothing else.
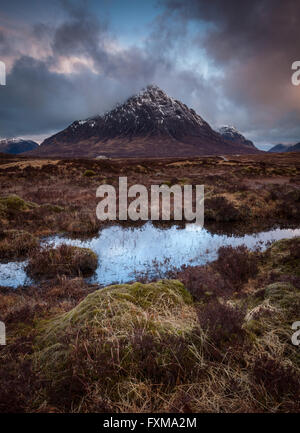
(231, 133)
(150, 108)
(17, 145)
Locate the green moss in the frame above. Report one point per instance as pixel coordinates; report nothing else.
(167, 183)
(184, 181)
(89, 173)
(140, 169)
(284, 256)
(281, 246)
(290, 305)
(119, 300)
(14, 204)
(277, 291)
(250, 170)
(52, 208)
(111, 315)
(146, 295)
(286, 298)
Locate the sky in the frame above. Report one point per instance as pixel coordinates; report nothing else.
(229, 60)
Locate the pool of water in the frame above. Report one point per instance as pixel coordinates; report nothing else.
(126, 252)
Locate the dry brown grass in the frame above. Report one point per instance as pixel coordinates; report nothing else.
(16, 243)
(127, 351)
(50, 262)
(149, 348)
(61, 183)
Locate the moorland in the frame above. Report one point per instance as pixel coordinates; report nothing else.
(213, 338)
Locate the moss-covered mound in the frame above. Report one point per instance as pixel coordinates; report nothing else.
(151, 348)
(64, 260)
(284, 256)
(270, 323)
(13, 204)
(119, 307)
(89, 173)
(123, 333)
(286, 298)
(16, 243)
(52, 208)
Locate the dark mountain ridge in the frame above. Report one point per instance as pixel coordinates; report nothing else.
(16, 146)
(285, 148)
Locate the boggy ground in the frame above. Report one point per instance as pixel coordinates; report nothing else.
(214, 338)
(43, 196)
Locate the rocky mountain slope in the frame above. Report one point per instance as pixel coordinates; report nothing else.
(232, 135)
(147, 124)
(17, 145)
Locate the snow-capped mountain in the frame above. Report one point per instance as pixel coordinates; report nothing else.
(17, 145)
(231, 134)
(149, 112)
(148, 124)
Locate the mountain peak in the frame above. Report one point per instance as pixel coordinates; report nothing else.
(153, 89)
(229, 130)
(231, 134)
(149, 112)
(150, 123)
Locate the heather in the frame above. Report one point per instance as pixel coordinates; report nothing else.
(213, 338)
(246, 192)
(159, 346)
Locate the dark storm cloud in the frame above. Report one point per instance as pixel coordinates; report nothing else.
(251, 45)
(254, 43)
(30, 98)
(80, 34)
(244, 27)
(4, 44)
(54, 100)
(84, 34)
(39, 98)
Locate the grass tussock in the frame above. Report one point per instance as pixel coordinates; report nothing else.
(217, 341)
(123, 333)
(89, 173)
(259, 191)
(13, 204)
(66, 260)
(161, 346)
(16, 243)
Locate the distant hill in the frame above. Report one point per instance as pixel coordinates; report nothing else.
(279, 148)
(232, 135)
(294, 148)
(17, 145)
(285, 148)
(148, 124)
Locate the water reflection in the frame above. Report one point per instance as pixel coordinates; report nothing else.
(125, 252)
